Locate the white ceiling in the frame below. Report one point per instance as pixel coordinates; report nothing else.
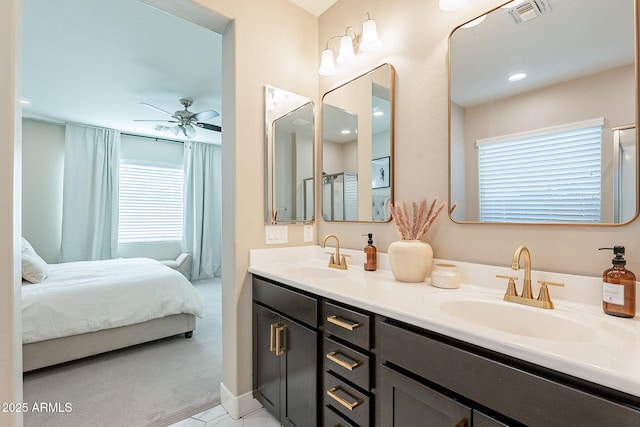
(577, 38)
(93, 62)
(314, 7)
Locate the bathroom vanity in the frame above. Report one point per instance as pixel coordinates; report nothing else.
(377, 352)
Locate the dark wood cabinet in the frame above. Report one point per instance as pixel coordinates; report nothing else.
(408, 403)
(285, 361)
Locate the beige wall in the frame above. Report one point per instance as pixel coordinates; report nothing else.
(10, 184)
(415, 36)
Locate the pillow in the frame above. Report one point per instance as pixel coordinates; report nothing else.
(34, 268)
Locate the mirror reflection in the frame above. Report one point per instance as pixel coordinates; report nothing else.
(289, 153)
(543, 112)
(357, 148)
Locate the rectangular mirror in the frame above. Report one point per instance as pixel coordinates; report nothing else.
(543, 113)
(289, 196)
(357, 148)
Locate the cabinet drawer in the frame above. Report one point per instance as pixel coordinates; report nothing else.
(506, 389)
(294, 304)
(347, 324)
(332, 419)
(346, 400)
(350, 364)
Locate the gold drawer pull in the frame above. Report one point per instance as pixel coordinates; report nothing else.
(279, 350)
(350, 406)
(272, 346)
(350, 366)
(343, 323)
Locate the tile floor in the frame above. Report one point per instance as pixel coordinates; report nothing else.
(218, 417)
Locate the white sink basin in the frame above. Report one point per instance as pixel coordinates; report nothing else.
(491, 312)
(317, 272)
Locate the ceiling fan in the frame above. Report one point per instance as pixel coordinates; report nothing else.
(185, 120)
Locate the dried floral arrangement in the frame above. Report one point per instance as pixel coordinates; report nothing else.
(415, 225)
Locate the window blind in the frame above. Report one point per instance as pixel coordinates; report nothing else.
(150, 203)
(552, 176)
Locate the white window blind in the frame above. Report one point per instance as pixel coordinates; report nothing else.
(150, 203)
(552, 175)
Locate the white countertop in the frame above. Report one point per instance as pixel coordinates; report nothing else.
(604, 349)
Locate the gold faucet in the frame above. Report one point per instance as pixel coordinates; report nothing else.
(511, 295)
(338, 261)
(515, 264)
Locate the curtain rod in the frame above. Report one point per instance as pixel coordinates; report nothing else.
(151, 137)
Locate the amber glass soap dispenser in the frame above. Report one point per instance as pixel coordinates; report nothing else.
(618, 287)
(371, 255)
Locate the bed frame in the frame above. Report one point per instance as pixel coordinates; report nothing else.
(52, 352)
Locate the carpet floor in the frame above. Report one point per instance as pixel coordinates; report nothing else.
(152, 384)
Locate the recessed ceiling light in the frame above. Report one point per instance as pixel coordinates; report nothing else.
(511, 4)
(517, 76)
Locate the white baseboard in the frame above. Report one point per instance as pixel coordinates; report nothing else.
(238, 406)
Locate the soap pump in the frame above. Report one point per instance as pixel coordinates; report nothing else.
(371, 254)
(618, 287)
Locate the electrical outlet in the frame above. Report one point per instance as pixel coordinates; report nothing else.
(276, 234)
(308, 233)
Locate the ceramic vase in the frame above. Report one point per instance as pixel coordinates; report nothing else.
(410, 260)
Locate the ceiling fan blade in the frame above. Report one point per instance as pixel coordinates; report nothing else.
(208, 126)
(206, 115)
(157, 109)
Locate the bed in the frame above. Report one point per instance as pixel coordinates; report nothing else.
(78, 309)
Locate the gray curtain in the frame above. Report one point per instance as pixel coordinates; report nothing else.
(202, 227)
(90, 194)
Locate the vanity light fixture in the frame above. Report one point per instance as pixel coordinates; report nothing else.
(451, 5)
(517, 76)
(349, 46)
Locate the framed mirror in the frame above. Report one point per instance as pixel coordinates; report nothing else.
(357, 148)
(542, 117)
(289, 131)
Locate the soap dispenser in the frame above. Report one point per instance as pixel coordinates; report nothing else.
(371, 254)
(618, 287)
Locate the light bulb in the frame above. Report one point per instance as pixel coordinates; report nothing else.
(327, 66)
(451, 5)
(346, 53)
(370, 40)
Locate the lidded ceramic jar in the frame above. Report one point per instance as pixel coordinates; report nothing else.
(445, 276)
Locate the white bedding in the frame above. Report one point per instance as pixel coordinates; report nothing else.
(87, 296)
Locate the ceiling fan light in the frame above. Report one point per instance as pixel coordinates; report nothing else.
(175, 130)
(346, 54)
(327, 66)
(451, 5)
(370, 40)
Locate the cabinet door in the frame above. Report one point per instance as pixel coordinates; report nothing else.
(408, 403)
(299, 375)
(266, 365)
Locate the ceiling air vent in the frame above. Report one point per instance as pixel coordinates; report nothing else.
(529, 10)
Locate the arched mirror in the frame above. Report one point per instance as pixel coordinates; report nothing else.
(357, 148)
(543, 114)
(289, 184)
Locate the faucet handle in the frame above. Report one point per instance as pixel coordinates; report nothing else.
(543, 296)
(332, 260)
(511, 286)
(343, 261)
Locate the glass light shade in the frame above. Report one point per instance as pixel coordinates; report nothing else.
(346, 53)
(450, 5)
(327, 66)
(370, 40)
